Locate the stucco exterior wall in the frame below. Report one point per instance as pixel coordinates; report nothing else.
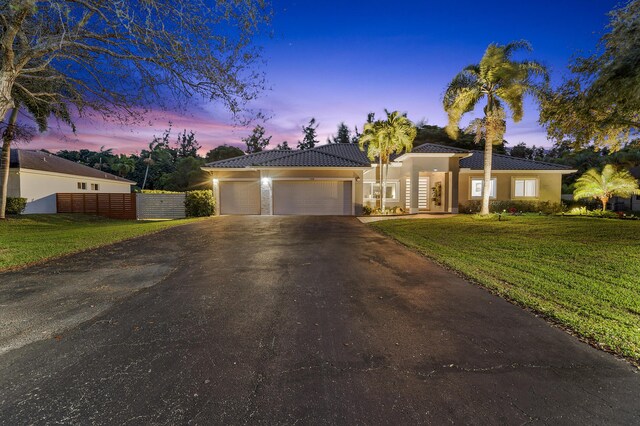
(549, 186)
(266, 187)
(40, 188)
(13, 188)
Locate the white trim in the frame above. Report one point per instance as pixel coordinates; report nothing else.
(524, 197)
(69, 175)
(480, 171)
(481, 178)
(395, 182)
(433, 154)
(255, 169)
(237, 179)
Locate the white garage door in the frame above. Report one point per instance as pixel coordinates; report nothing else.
(316, 197)
(240, 197)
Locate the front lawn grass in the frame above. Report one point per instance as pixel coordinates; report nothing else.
(582, 272)
(33, 238)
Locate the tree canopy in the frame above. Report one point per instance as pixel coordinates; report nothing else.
(600, 103)
(223, 152)
(310, 136)
(113, 56)
(256, 141)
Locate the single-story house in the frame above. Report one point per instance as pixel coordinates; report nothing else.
(339, 179)
(38, 176)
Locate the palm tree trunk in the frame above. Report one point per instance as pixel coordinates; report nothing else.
(7, 138)
(486, 187)
(383, 186)
(146, 172)
(380, 183)
(604, 201)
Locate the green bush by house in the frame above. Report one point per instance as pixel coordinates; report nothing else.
(498, 206)
(15, 205)
(199, 203)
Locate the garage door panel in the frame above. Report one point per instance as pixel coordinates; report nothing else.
(240, 197)
(312, 197)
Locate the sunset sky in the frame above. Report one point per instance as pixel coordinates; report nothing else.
(337, 61)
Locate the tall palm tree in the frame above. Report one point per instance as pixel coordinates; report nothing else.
(382, 138)
(500, 80)
(602, 186)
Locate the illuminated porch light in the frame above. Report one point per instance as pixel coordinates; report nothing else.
(266, 181)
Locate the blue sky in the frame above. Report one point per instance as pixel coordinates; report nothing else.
(337, 61)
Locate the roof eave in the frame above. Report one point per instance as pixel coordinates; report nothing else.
(561, 171)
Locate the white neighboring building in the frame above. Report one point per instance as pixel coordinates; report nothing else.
(38, 176)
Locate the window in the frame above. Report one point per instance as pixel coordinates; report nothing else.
(525, 187)
(95, 187)
(372, 191)
(82, 185)
(478, 183)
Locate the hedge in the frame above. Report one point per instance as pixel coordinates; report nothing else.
(199, 203)
(498, 206)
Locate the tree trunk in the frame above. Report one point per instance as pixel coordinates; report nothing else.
(146, 173)
(6, 100)
(7, 138)
(604, 201)
(380, 182)
(486, 186)
(383, 187)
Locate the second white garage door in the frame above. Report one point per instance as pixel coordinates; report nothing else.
(238, 197)
(316, 197)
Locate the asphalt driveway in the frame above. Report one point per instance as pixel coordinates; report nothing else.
(278, 320)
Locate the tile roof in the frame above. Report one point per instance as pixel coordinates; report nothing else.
(44, 161)
(506, 162)
(349, 155)
(250, 160)
(350, 151)
(432, 148)
(316, 157)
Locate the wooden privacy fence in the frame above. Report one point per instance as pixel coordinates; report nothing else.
(116, 206)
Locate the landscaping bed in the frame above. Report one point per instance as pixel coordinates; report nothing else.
(581, 272)
(33, 238)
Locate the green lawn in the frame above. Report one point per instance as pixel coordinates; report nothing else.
(33, 238)
(582, 272)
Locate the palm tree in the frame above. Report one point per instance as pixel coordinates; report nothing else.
(602, 186)
(500, 80)
(123, 165)
(382, 138)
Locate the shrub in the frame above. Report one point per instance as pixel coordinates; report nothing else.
(15, 205)
(366, 210)
(199, 203)
(513, 206)
(157, 191)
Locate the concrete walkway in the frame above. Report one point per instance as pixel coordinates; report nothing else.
(369, 219)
